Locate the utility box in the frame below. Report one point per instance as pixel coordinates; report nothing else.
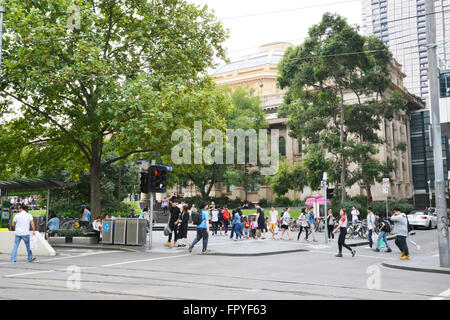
(120, 231)
(108, 231)
(136, 232)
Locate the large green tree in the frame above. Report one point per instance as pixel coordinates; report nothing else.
(111, 76)
(336, 83)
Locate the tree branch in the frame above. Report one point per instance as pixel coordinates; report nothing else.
(126, 155)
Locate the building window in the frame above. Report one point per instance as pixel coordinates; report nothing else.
(299, 146)
(230, 188)
(444, 84)
(282, 146)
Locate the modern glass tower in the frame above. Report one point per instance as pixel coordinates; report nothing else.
(401, 25)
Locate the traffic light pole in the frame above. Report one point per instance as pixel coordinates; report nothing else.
(150, 207)
(325, 211)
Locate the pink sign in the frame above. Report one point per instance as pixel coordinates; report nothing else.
(320, 201)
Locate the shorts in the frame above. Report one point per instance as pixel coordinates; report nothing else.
(284, 226)
(262, 226)
(273, 225)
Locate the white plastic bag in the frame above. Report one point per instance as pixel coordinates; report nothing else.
(33, 243)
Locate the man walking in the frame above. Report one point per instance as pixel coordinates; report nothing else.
(370, 225)
(202, 230)
(21, 225)
(174, 214)
(401, 232)
(383, 227)
(273, 221)
(355, 215)
(261, 221)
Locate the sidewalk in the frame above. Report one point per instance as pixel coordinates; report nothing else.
(420, 262)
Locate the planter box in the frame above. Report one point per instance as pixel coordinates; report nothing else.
(84, 240)
(57, 240)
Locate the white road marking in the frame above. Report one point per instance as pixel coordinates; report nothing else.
(26, 274)
(144, 260)
(442, 296)
(68, 257)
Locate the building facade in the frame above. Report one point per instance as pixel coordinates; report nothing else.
(258, 72)
(401, 24)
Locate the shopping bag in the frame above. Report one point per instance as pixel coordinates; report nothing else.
(382, 244)
(276, 230)
(33, 243)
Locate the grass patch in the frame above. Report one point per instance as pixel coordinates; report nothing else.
(41, 213)
(295, 213)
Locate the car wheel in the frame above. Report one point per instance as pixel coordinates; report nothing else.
(429, 225)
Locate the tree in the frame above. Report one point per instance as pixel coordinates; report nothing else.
(120, 82)
(333, 62)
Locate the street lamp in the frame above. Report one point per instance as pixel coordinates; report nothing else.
(430, 195)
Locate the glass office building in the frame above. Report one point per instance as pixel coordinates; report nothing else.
(401, 24)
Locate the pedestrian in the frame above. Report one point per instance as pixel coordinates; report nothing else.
(383, 227)
(174, 214)
(132, 214)
(342, 227)
(273, 221)
(253, 226)
(182, 226)
(85, 216)
(311, 223)
(165, 205)
(401, 232)
(246, 230)
(220, 220)
(236, 226)
(370, 225)
(202, 230)
(21, 226)
(330, 222)
(97, 226)
(261, 221)
(214, 218)
(303, 224)
(285, 224)
(355, 215)
(233, 213)
(226, 219)
(52, 225)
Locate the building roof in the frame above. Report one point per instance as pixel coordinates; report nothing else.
(32, 184)
(259, 59)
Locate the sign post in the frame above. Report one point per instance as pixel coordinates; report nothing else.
(325, 211)
(386, 192)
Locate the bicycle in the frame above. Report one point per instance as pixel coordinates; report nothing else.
(357, 229)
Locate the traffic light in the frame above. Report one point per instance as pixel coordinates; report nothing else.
(145, 182)
(330, 193)
(158, 179)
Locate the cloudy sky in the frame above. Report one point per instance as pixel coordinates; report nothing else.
(255, 22)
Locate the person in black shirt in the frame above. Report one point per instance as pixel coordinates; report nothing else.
(182, 226)
(174, 214)
(261, 221)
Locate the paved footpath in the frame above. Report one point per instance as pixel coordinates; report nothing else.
(233, 271)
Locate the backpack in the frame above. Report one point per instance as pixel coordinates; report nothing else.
(226, 215)
(246, 224)
(409, 226)
(387, 226)
(197, 217)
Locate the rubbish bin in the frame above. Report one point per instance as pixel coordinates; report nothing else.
(136, 232)
(120, 231)
(108, 231)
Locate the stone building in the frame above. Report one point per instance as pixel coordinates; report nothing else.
(258, 72)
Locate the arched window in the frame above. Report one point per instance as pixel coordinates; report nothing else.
(299, 145)
(282, 146)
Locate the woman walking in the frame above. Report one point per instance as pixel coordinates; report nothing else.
(183, 226)
(343, 231)
(330, 221)
(285, 224)
(303, 224)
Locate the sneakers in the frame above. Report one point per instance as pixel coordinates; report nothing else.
(167, 244)
(206, 252)
(174, 243)
(389, 250)
(377, 250)
(404, 257)
(353, 253)
(34, 259)
(190, 248)
(339, 255)
(418, 247)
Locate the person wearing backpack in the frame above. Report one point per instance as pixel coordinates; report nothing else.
(202, 220)
(383, 228)
(401, 232)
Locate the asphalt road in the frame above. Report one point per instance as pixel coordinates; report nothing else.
(173, 273)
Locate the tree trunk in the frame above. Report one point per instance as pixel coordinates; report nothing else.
(119, 183)
(369, 192)
(96, 170)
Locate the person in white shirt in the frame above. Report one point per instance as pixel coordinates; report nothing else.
(21, 225)
(355, 215)
(273, 221)
(370, 225)
(285, 224)
(97, 225)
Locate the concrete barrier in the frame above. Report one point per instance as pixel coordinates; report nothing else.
(7, 244)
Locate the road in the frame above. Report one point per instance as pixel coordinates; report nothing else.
(175, 274)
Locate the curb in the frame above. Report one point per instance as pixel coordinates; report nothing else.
(94, 247)
(417, 269)
(256, 254)
(362, 243)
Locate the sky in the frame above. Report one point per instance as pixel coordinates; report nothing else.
(256, 22)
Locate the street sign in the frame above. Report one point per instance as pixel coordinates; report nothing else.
(386, 190)
(386, 182)
(107, 227)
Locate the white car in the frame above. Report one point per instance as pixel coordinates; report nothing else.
(424, 219)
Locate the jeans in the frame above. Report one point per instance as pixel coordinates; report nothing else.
(201, 234)
(382, 235)
(370, 238)
(237, 230)
(400, 241)
(25, 239)
(225, 225)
